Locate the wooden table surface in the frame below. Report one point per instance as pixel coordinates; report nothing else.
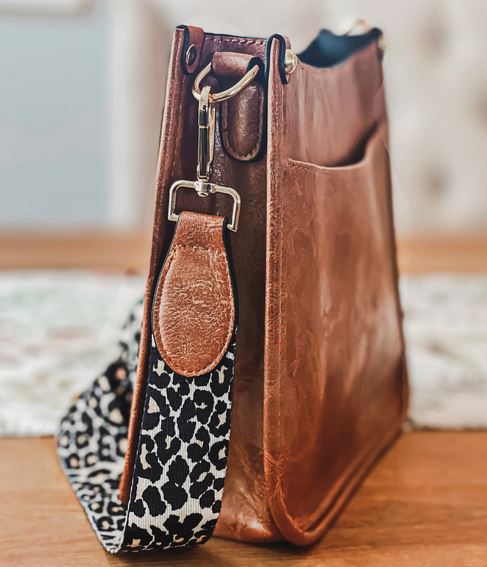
(129, 251)
(424, 505)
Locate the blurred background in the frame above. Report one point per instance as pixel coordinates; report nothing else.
(81, 97)
(82, 93)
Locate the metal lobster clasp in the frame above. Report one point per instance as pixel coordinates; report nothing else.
(206, 145)
(206, 135)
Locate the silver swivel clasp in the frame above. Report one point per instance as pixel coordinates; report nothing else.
(206, 144)
(206, 141)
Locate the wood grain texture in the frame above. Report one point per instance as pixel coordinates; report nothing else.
(442, 253)
(93, 250)
(424, 505)
(129, 251)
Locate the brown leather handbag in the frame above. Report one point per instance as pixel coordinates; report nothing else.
(274, 180)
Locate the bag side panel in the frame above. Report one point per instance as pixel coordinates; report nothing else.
(335, 386)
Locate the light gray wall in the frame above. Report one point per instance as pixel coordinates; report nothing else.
(81, 101)
(54, 119)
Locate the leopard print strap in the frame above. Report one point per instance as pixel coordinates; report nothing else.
(181, 458)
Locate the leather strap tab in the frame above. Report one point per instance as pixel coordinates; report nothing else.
(232, 64)
(243, 116)
(194, 39)
(194, 310)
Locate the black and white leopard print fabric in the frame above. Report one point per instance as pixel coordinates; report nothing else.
(181, 457)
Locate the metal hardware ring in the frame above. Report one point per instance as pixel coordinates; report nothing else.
(362, 25)
(227, 93)
(204, 189)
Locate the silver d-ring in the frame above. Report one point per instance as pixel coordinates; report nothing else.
(227, 93)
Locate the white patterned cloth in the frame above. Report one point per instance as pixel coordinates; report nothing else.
(446, 335)
(59, 330)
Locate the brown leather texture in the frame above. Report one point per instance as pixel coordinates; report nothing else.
(335, 389)
(242, 117)
(320, 387)
(193, 311)
(194, 38)
(231, 64)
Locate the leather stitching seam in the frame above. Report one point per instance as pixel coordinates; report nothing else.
(201, 248)
(235, 40)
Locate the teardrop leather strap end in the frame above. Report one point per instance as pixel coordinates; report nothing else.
(194, 305)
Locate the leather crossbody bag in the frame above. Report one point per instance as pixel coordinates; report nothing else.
(269, 374)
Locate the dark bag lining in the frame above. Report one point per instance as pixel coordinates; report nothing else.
(328, 49)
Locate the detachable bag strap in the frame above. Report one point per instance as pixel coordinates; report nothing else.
(177, 479)
(181, 458)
